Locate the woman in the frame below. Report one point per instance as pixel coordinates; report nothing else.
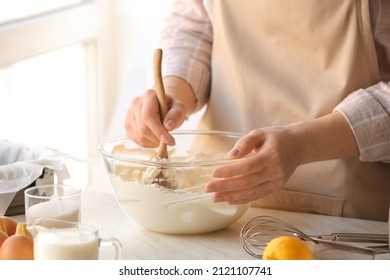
(307, 82)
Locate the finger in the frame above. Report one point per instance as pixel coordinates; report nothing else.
(250, 198)
(237, 183)
(129, 121)
(246, 195)
(251, 164)
(131, 126)
(176, 114)
(151, 116)
(147, 137)
(135, 128)
(246, 144)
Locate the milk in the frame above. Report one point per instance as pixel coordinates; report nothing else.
(66, 244)
(55, 208)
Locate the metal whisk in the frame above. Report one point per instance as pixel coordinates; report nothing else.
(257, 232)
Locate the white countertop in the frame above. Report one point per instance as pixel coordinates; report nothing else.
(102, 210)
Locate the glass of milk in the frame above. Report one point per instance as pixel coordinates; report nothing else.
(53, 201)
(63, 240)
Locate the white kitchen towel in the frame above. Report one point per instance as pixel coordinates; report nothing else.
(21, 165)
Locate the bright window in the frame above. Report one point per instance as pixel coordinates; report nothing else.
(50, 86)
(17, 9)
(43, 100)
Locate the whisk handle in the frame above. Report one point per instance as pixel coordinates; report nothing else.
(354, 237)
(351, 247)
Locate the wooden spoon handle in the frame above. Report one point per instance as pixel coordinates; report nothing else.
(162, 100)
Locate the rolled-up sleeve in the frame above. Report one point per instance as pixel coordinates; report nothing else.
(186, 40)
(368, 114)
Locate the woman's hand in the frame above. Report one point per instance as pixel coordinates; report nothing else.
(143, 124)
(277, 152)
(273, 161)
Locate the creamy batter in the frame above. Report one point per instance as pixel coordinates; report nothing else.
(186, 209)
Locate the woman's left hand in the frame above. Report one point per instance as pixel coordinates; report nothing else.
(274, 159)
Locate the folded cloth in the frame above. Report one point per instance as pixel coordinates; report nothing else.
(21, 165)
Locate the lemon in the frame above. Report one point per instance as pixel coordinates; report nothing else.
(287, 248)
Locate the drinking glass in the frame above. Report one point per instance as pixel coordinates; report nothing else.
(54, 201)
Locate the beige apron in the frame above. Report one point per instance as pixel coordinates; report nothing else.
(275, 62)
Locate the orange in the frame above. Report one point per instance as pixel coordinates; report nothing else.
(287, 248)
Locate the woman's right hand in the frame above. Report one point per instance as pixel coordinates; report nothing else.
(143, 124)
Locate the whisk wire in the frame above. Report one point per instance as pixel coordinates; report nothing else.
(258, 231)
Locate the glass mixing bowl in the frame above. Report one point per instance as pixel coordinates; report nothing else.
(184, 207)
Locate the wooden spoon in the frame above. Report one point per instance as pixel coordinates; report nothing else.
(162, 100)
(163, 106)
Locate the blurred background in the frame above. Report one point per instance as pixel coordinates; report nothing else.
(68, 71)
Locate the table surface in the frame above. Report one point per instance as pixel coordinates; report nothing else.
(102, 210)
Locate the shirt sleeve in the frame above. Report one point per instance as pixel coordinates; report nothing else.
(368, 114)
(186, 40)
